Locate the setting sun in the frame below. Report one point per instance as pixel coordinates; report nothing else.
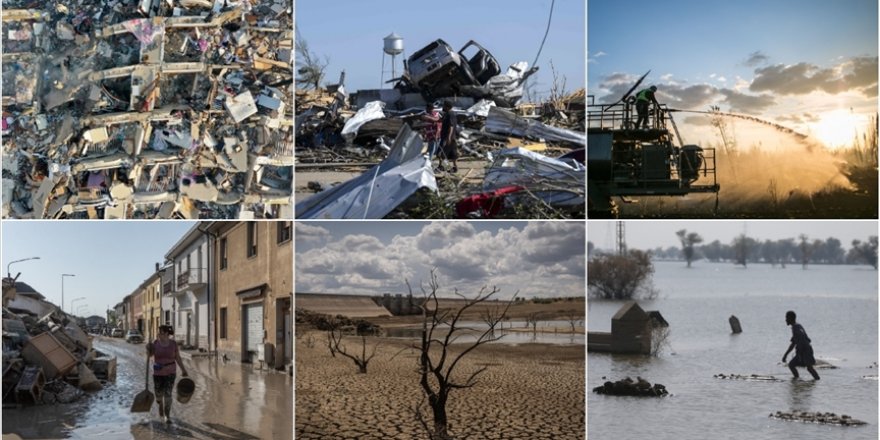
(838, 128)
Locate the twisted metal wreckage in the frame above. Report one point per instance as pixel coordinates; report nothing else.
(515, 172)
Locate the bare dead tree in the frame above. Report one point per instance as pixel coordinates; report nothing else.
(361, 360)
(492, 316)
(310, 67)
(573, 319)
(330, 342)
(532, 320)
(437, 362)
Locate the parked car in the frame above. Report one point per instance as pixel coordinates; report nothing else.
(133, 336)
(116, 333)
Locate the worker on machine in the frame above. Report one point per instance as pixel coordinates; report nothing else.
(644, 98)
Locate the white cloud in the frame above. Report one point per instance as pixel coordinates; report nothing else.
(308, 233)
(537, 258)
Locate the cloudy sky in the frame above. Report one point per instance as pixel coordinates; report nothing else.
(645, 234)
(350, 35)
(536, 258)
(810, 65)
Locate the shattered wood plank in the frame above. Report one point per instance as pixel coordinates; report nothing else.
(22, 14)
(259, 59)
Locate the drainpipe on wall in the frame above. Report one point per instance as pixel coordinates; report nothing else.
(212, 326)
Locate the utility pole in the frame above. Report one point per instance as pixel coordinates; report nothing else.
(62, 288)
(621, 238)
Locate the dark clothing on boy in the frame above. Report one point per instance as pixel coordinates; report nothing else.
(803, 355)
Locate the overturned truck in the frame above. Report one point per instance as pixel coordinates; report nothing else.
(437, 71)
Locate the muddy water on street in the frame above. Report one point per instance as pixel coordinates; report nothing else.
(231, 401)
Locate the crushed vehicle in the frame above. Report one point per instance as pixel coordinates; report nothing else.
(437, 70)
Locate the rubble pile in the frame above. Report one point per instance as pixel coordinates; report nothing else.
(817, 417)
(49, 359)
(147, 109)
(521, 154)
(628, 387)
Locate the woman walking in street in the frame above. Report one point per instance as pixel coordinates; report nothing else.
(166, 358)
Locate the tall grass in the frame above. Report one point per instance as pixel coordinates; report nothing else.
(863, 151)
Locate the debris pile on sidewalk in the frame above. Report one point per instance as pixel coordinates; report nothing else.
(517, 159)
(49, 358)
(179, 110)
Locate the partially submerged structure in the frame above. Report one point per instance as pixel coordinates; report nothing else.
(630, 331)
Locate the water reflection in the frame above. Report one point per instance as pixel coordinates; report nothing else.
(514, 332)
(801, 393)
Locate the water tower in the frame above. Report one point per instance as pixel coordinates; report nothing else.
(393, 45)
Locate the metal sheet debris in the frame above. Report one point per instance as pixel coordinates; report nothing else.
(377, 192)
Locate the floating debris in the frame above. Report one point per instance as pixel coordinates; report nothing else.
(817, 417)
(753, 377)
(627, 387)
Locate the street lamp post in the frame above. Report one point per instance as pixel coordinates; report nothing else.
(62, 288)
(75, 300)
(9, 273)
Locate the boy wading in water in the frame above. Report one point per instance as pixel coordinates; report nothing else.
(166, 357)
(803, 355)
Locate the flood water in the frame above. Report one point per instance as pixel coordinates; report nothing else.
(837, 305)
(231, 401)
(544, 333)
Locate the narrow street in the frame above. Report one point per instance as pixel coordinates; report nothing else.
(231, 401)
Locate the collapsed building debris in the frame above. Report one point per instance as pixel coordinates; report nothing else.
(170, 109)
(517, 159)
(46, 358)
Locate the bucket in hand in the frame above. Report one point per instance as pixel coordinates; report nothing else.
(185, 389)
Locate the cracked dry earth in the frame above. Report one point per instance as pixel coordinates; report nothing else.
(530, 391)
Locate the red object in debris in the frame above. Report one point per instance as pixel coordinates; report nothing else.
(487, 204)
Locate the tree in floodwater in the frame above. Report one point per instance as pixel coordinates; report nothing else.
(688, 240)
(866, 251)
(806, 250)
(741, 250)
(438, 361)
(621, 276)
